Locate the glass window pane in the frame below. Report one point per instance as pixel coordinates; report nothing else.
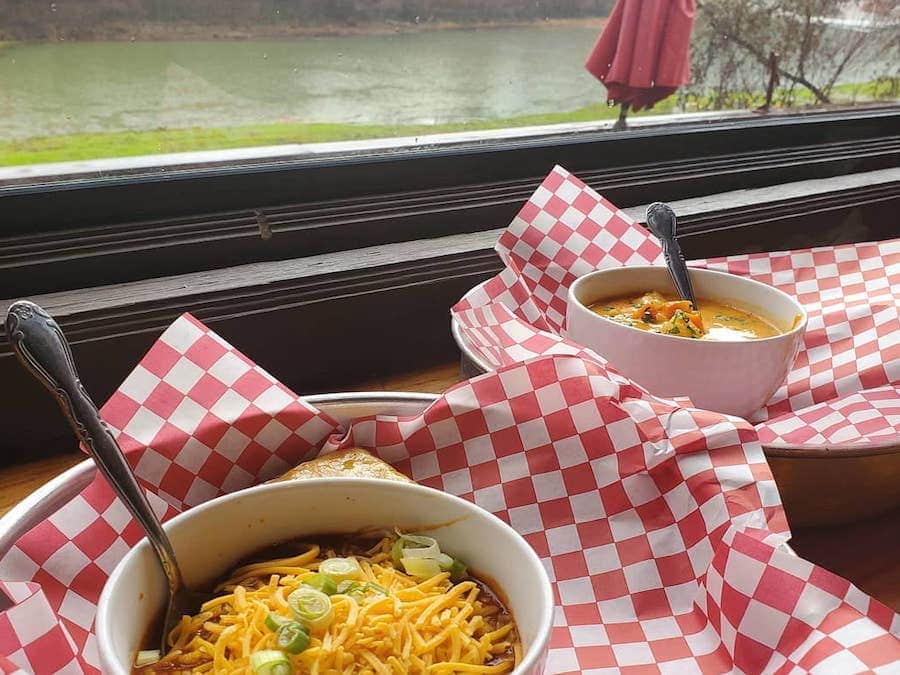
(95, 79)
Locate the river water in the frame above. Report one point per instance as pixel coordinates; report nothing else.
(412, 78)
(56, 88)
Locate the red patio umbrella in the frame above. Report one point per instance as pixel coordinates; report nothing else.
(643, 54)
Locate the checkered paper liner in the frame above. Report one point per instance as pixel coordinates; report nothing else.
(864, 418)
(850, 352)
(659, 526)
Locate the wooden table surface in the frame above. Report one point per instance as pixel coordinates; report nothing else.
(866, 553)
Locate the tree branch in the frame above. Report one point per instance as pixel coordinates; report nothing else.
(860, 41)
(734, 36)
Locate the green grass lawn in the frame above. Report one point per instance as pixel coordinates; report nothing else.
(131, 143)
(73, 147)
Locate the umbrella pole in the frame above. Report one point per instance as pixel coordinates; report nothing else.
(773, 80)
(621, 124)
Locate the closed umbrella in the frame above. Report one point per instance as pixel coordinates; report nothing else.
(643, 54)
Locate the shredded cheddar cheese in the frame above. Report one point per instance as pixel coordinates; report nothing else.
(432, 626)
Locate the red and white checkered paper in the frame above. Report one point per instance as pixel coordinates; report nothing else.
(659, 526)
(848, 366)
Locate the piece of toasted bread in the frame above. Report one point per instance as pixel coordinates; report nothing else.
(353, 462)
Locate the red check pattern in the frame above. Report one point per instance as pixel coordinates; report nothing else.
(503, 338)
(564, 231)
(7, 667)
(202, 419)
(660, 526)
(658, 548)
(851, 294)
(55, 575)
(863, 418)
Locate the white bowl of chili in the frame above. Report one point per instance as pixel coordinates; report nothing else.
(504, 573)
(735, 373)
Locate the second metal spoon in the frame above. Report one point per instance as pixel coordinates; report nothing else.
(40, 344)
(662, 223)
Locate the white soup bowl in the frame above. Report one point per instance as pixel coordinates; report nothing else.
(212, 538)
(734, 377)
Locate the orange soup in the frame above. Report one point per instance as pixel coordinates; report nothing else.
(669, 315)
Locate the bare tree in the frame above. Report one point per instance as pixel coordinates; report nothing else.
(734, 41)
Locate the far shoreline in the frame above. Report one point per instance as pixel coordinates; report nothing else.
(160, 32)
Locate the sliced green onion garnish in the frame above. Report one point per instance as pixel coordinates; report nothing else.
(377, 587)
(312, 608)
(397, 551)
(275, 621)
(458, 571)
(322, 582)
(455, 567)
(421, 568)
(410, 548)
(355, 589)
(270, 662)
(293, 638)
(347, 586)
(417, 546)
(445, 561)
(145, 657)
(340, 569)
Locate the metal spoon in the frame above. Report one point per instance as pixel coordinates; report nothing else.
(662, 222)
(40, 344)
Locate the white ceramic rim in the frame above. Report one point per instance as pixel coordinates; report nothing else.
(103, 625)
(465, 348)
(799, 326)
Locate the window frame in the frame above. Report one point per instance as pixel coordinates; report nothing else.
(93, 231)
(431, 166)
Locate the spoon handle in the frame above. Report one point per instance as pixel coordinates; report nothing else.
(678, 270)
(41, 346)
(662, 222)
